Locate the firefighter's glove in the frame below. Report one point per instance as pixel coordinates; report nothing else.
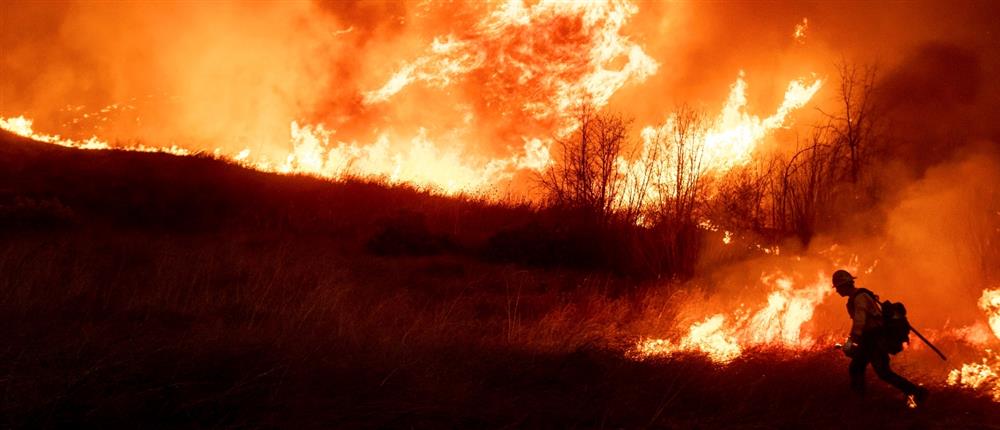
(850, 348)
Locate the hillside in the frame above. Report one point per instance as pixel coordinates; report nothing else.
(150, 290)
(154, 191)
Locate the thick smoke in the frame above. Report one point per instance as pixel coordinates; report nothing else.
(942, 242)
(199, 74)
(937, 100)
(939, 245)
(933, 241)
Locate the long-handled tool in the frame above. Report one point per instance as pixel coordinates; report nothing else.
(914, 330)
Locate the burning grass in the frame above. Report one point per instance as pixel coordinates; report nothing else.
(222, 331)
(207, 310)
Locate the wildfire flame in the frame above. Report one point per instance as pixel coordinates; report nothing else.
(728, 142)
(22, 126)
(979, 376)
(990, 303)
(423, 164)
(735, 134)
(542, 61)
(558, 53)
(984, 374)
(723, 337)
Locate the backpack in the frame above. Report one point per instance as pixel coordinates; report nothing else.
(895, 326)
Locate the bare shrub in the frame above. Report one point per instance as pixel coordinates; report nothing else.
(743, 198)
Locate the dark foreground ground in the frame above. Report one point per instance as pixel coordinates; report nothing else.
(144, 290)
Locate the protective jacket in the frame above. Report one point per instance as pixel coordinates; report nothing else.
(866, 316)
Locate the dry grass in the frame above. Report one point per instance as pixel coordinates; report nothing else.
(265, 310)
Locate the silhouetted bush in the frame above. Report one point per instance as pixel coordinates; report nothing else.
(406, 233)
(574, 240)
(25, 213)
(539, 245)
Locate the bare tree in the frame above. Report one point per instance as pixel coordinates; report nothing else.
(807, 185)
(679, 166)
(586, 176)
(856, 125)
(830, 166)
(638, 179)
(674, 156)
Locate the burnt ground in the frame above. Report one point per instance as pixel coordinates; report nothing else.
(147, 290)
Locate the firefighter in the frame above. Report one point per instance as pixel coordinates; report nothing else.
(866, 344)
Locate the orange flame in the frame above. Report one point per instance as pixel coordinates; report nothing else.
(22, 126)
(422, 164)
(990, 303)
(729, 142)
(983, 375)
(732, 139)
(556, 71)
(979, 376)
(538, 62)
(312, 153)
(779, 323)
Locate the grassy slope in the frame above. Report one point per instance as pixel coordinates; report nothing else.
(186, 292)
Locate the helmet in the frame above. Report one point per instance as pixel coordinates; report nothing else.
(842, 277)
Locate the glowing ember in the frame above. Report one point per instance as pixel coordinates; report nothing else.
(800, 31)
(779, 323)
